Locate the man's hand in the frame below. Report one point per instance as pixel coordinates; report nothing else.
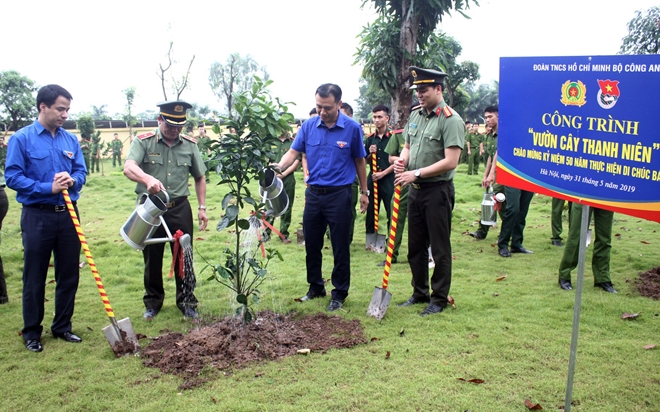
(488, 180)
(61, 181)
(373, 148)
(154, 185)
(375, 176)
(203, 219)
(364, 203)
(404, 178)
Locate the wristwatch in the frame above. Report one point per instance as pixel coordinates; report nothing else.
(365, 192)
(201, 207)
(418, 174)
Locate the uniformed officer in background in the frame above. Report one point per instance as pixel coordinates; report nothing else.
(161, 160)
(435, 136)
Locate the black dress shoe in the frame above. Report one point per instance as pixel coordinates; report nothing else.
(521, 250)
(34, 345)
(311, 295)
(412, 301)
(565, 284)
(557, 243)
(335, 305)
(504, 252)
(68, 336)
(477, 235)
(431, 309)
(606, 286)
(150, 314)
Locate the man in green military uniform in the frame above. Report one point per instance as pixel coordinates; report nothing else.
(489, 145)
(117, 147)
(161, 160)
(435, 137)
(86, 148)
(95, 154)
(3, 154)
(473, 143)
(555, 220)
(600, 261)
(288, 182)
(375, 145)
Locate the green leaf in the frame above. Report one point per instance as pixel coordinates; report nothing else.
(223, 223)
(249, 200)
(226, 200)
(231, 212)
(247, 316)
(210, 278)
(255, 298)
(242, 299)
(244, 224)
(262, 272)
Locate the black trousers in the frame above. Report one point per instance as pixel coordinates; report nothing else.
(333, 209)
(47, 232)
(429, 223)
(4, 207)
(178, 217)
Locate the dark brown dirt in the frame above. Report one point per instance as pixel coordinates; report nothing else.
(228, 344)
(648, 283)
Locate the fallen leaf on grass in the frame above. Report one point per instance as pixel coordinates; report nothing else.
(140, 336)
(651, 346)
(387, 355)
(475, 381)
(50, 281)
(450, 300)
(627, 315)
(645, 242)
(374, 338)
(213, 400)
(496, 294)
(199, 238)
(90, 329)
(534, 407)
(454, 257)
(501, 278)
(402, 332)
(493, 244)
(618, 236)
(256, 375)
(20, 333)
(298, 300)
(326, 281)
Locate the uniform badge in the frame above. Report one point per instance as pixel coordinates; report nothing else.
(68, 154)
(178, 108)
(608, 94)
(341, 144)
(154, 154)
(573, 93)
(414, 73)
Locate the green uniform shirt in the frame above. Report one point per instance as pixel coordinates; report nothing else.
(395, 145)
(473, 140)
(490, 145)
(203, 144)
(280, 148)
(86, 147)
(95, 148)
(382, 158)
(117, 145)
(170, 165)
(429, 134)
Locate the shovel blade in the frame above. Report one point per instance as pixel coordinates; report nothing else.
(375, 242)
(379, 303)
(127, 332)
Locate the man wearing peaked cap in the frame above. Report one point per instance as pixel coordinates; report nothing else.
(434, 136)
(161, 160)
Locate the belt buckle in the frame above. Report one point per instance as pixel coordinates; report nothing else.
(60, 208)
(169, 205)
(416, 186)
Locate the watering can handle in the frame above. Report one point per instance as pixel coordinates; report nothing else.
(142, 197)
(490, 189)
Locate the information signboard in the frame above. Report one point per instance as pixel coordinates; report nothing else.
(585, 129)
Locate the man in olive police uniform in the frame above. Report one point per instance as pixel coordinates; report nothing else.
(435, 136)
(161, 160)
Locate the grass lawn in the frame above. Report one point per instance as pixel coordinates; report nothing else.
(514, 334)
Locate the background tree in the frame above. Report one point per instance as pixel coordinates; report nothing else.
(457, 73)
(234, 77)
(480, 97)
(368, 98)
(17, 101)
(401, 35)
(100, 113)
(128, 115)
(178, 83)
(643, 33)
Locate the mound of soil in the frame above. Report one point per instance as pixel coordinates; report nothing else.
(229, 344)
(648, 283)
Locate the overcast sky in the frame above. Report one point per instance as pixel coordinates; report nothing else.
(95, 49)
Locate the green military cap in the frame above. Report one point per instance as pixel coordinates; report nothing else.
(426, 76)
(174, 113)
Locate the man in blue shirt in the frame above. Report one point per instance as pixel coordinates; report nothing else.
(42, 160)
(333, 145)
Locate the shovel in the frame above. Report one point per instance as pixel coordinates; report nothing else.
(381, 298)
(119, 334)
(374, 241)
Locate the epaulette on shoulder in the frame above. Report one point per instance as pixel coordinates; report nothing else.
(370, 134)
(146, 135)
(397, 131)
(190, 138)
(447, 111)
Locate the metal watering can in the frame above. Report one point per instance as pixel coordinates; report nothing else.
(488, 211)
(271, 189)
(147, 216)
